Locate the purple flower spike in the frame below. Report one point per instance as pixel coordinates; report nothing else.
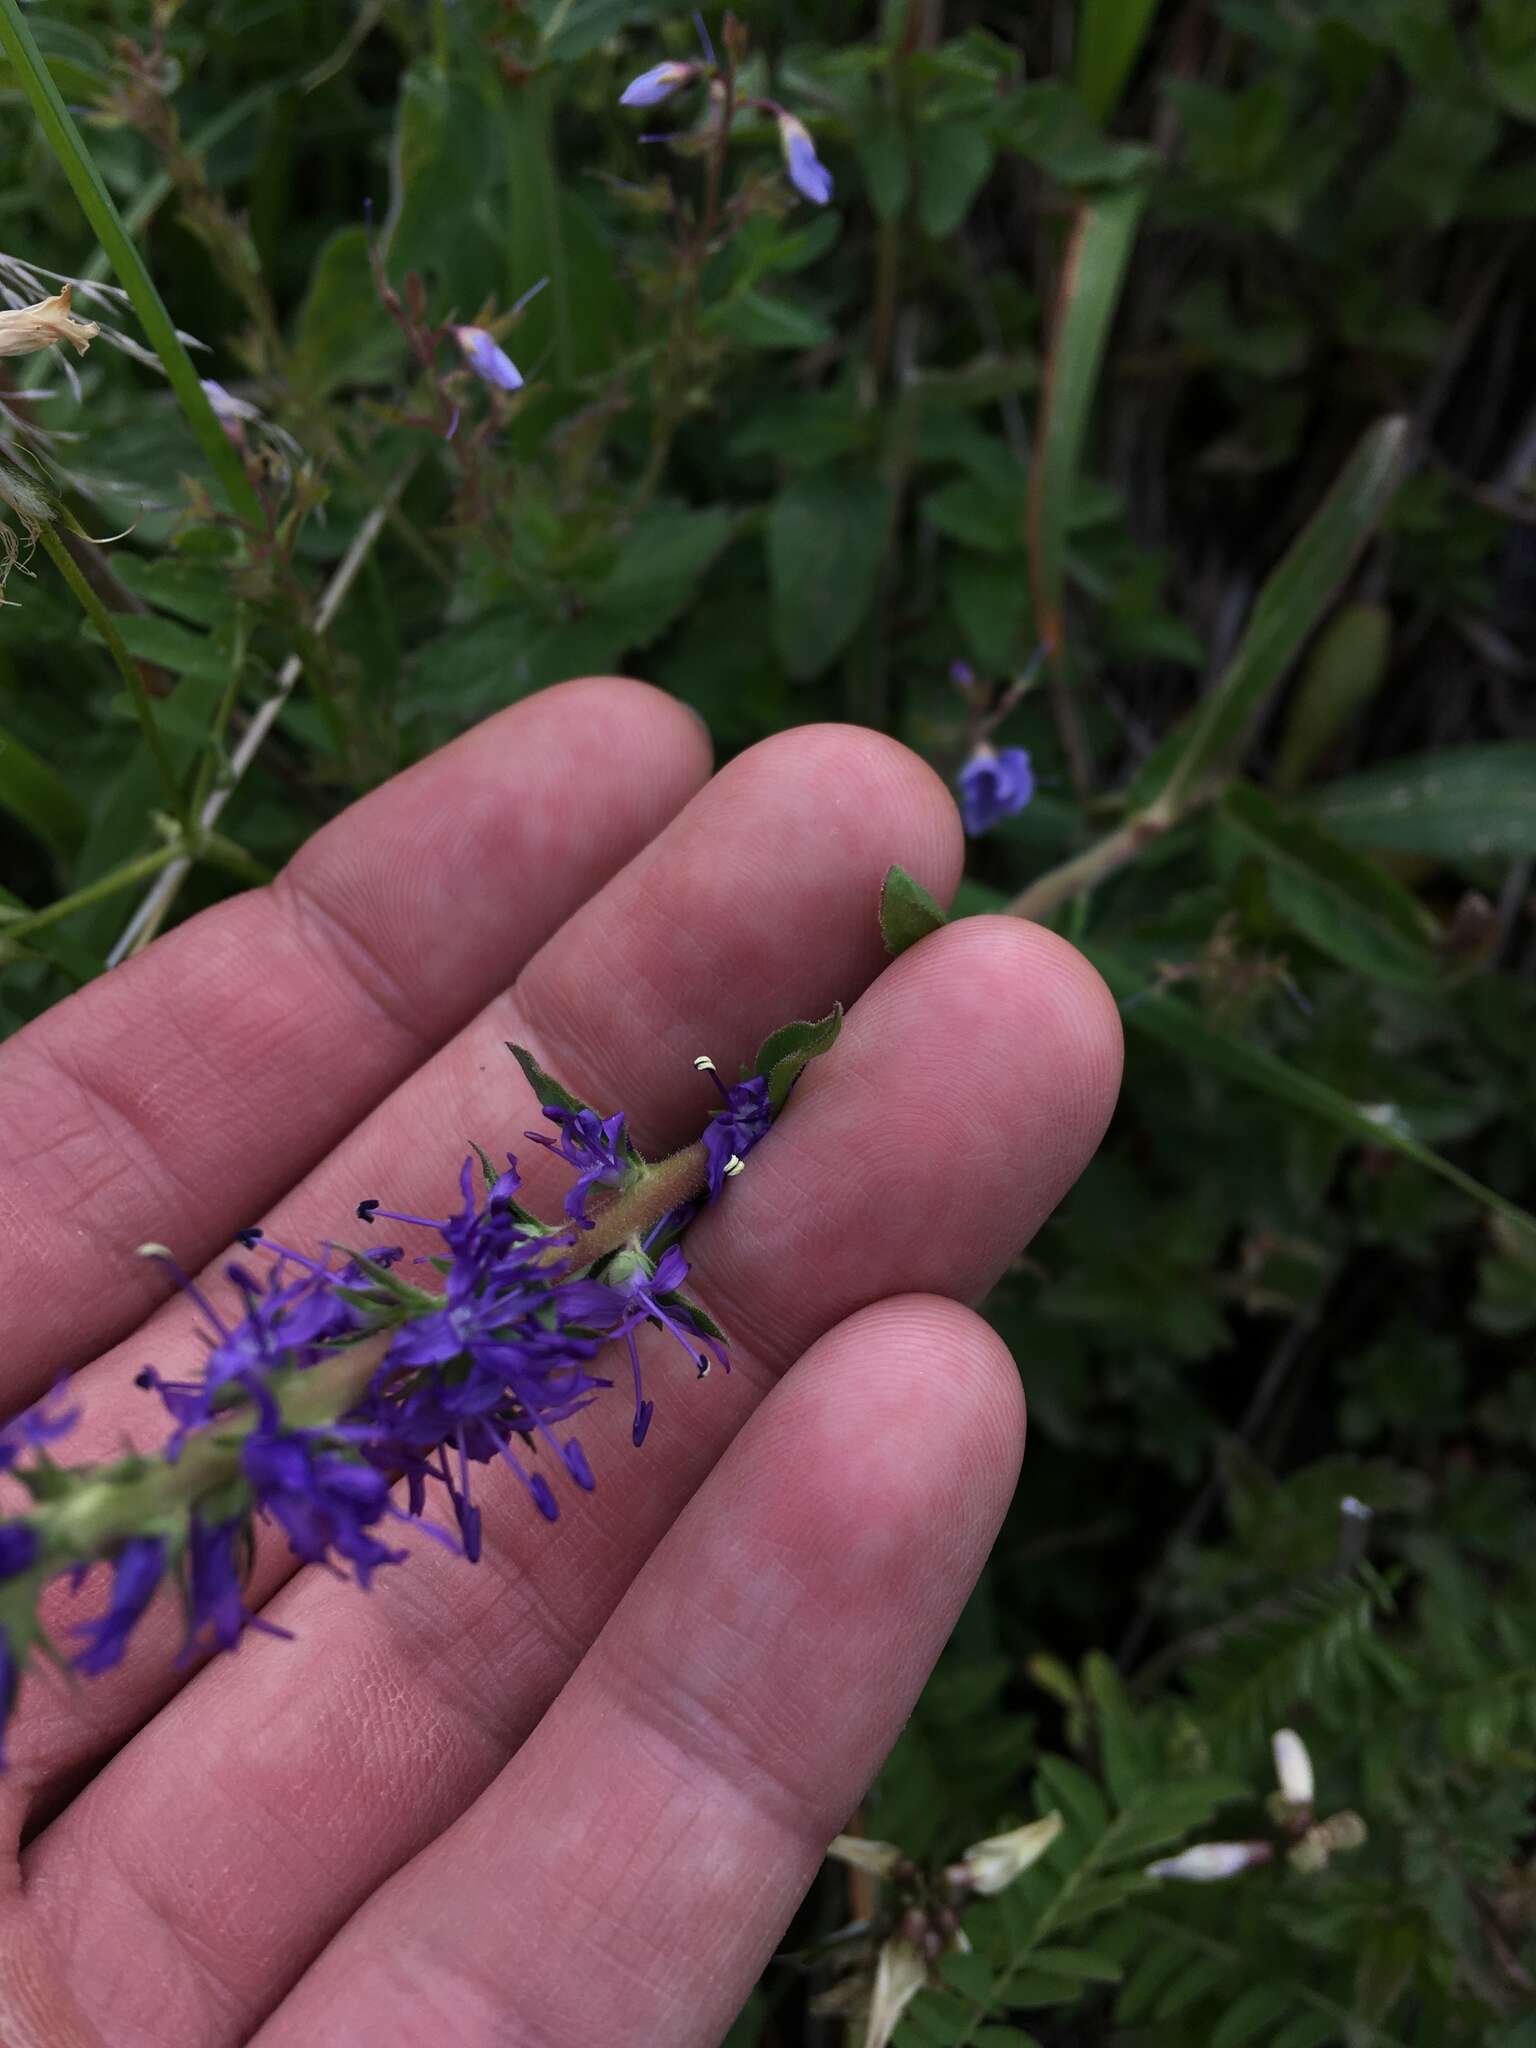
(657, 84)
(491, 364)
(807, 173)
(994, 785)
(323, 1499)
(135, 1575)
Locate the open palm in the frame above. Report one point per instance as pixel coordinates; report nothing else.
(570, 1795)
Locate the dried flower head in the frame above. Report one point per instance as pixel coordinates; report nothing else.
(45, 325)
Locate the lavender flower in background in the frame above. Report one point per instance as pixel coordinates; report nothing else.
(994, 784)
(490, 363)
(807, 173)
(657, 84)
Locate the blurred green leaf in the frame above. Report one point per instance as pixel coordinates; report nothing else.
(826, 541)
(953, 159)
(1286, 612)
(1343, 672)
(1458, 803)
(1110, 35)
(43, 801)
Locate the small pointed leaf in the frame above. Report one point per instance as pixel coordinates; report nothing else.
(907, 912)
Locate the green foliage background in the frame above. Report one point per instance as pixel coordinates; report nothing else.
(1110, 297)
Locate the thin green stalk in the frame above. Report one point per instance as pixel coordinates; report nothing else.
(106, 626)
(68, 145)
(109, 884)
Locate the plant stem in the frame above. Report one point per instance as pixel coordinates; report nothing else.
(94, 892)
(106, 626)
(1087, 870)
(68, 145)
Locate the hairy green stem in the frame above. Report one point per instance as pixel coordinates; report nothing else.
(1086, 870)
(64, 138)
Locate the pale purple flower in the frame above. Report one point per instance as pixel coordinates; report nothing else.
(994, 785)
(490, 363)
(657, 84)
(807, 173)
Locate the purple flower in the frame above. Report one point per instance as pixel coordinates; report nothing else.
(807, 173)
(19, 1545)
(962, 675)
(645, 1292)
(994, 785)
(136, 1573)
(732, 1132)
(34, 1429)
(324, 1499)
(659, 83)
(215, 1600)
(594, 1146)
(491, 364)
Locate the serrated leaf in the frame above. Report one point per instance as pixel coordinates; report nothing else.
(907, 912)
(784, 1054)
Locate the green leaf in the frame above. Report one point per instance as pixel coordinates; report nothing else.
(785, 1054)
(1110, 34)
(1254, 2013)
(1287, 610)
(661, 561)
(169, 646)
(826, 541)
(1348, 907)
(1082, 1965)
(1343, 673)
(41, 799)
(970, 1973)
(758, 321)
(907, 912)
(1076, 1793)
(1458, 804)
(1157, 1014)
(1097, 261)
(953, 160)
(338, 341)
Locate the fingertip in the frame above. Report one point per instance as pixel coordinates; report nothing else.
(630, 711)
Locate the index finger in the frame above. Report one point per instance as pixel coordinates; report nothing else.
(177, 1097)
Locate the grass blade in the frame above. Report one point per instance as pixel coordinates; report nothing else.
(1110, 34)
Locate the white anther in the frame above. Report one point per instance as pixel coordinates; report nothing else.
(733, 1165)
(704, 1063)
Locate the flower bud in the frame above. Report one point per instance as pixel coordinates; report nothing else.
(1293, 1767)
(1209, 1862)
(900, 1974)
(880, 1859)
(807, 173)
(657, 84)
(989, 1866)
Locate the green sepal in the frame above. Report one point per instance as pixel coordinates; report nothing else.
(907, 912)
(552, 1096)
(785, 1054)
(701, 1318)
(383, 1276)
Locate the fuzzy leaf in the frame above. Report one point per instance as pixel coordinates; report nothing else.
(549, 1091)
(784, 1054)
(907, 912)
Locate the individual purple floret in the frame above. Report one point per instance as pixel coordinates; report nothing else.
(34, 1429)
(594, 1146)
(19, 1546)
(994, 784)
(657, 84)
(731, 1132)
(216, 1608)
(807, 173)
(490, 363)
(324, 1499)
(643, 1293)
(136, 1572)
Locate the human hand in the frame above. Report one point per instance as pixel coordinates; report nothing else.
(570, 1795)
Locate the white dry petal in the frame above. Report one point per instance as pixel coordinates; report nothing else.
(1293, 1766)
(28, 328)
(899, 1976)
(1209, 1862)
(878, 1858)
(989, 1866)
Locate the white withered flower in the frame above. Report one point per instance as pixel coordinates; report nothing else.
(1209, 1862)
(987, 1867)
(899, 1976)
(878, 1858)
(25, 329)
(1293, 1767)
